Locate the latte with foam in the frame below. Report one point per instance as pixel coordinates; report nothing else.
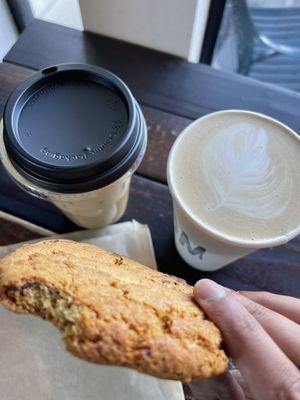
(238, 174)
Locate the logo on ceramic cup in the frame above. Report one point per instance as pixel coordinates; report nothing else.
(197, 251)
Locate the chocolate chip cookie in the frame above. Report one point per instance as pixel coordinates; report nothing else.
(112, 310)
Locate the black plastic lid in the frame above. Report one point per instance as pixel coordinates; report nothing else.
(73, 128)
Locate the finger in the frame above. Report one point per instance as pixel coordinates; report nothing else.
(223, 387)
(265, 368)
(234, 388)
(236, 375)
(283, 331)
(285, 305)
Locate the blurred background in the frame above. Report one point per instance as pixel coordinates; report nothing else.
(255, 38)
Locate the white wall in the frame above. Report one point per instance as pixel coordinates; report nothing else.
(173, 26)
(62, 12)
(8, 30)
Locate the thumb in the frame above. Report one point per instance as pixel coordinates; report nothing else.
(253, 350)
(222, 307)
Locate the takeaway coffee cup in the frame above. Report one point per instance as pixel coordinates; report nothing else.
(235, 181)
(74, 135)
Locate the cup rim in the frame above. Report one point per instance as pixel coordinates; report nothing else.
(214, 233)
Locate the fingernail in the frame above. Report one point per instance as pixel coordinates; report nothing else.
(207, 290)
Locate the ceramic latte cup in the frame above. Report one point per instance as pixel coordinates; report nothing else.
(235, 181)
(74, 135)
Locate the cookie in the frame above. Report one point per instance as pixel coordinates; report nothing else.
(112, 310)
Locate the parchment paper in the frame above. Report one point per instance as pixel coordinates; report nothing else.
(34, 364)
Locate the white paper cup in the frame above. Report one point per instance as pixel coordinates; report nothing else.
(201, 246)
(95, 209)
(74, 135)
(199, 249)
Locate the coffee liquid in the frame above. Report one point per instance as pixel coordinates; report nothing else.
(239, 174)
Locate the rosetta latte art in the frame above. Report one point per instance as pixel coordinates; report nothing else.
(238, 168)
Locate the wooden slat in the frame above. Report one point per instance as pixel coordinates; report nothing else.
(158, 80)
(13, 232)
(163, 128)
(10, 77)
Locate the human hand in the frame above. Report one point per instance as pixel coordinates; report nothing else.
(262, 334)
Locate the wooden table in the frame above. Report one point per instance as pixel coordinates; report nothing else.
(172, 93)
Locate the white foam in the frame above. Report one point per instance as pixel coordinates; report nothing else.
(241, 175)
